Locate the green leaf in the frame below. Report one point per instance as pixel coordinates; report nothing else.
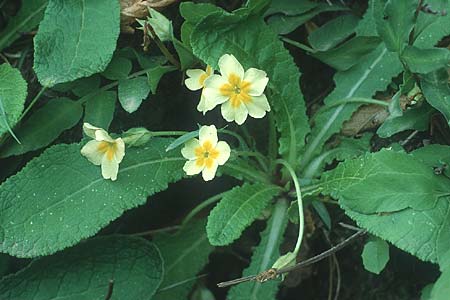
(155, 74)
(396, 23)
(375, 255)
(264, 256)
(425, 60)
(419, 232)
(62, 197)
(84, 272)
(44, 126)
(119, 67)
(99, 110)
(238, 208)
(84, 86)
(185, 254)
(373, 74)
(441, 288)
(417, 118)
(194, 12)
(76, 39)
(436, 90)
(367, 26)
(132, 92)
(183, 139)
(431, 28)
(28, 17)
(13, 92)
(221, 33)
(333, 32)
(322, 211)
(187, 59)
(349, 53)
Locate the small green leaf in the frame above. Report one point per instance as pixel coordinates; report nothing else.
(187, 59)
(28, 17)
(396, 23)
(185, 254)
(238, 208)
(132, 92)
(154, 76)
(76, 39)
(44, 126)
(84, 272)
(375, 255)
(99, 110)
(56, 188)
(118, 68)
(13, 92)
(84, 86)
(425, 60)
(441, 288)
(436, 90)
(182, 139)
(322, 211)
(265, 254)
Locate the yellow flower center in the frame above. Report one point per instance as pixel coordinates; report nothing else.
(237, 90)
(205, 75)
(206, 155)
(107, 148)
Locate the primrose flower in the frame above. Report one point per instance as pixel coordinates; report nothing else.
(103, 150)
(205, 154)
(239, 92)
(196, 81)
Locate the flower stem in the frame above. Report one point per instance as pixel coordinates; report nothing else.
(163, 48)
(167, 133)
(301, 223)
(201, 206)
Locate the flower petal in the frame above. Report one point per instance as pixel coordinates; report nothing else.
(228, 64)
(188, 150)
(209, 173)
(237, 114)
(258, 81)
(240, 114)
(102, 135)
(224, 152)
(110, 168)
(192, 168)
(258, 107)
(212, 93)
(208, 133)
(90, 130)
(90, 151)
(193, 82)
(120, 150)
(201, 107)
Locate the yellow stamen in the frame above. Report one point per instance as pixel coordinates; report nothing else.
(206, 154)
(205, 75)
(236, 90)
(107, 148)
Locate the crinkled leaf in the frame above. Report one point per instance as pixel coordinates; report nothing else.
(396, 23)
(373, 74)
(436, 90)
(28, 17)
(44, 201)
(375, 255)
(238, 208)
(367, 26)
(132, 92)
(99, 109)
(84, 271)
(425, 60)
(431, 28)
(76, 39)
(44, 126)
(13, 92)
(185, 254)
(221, 33)
(265, 254)
(441, 288)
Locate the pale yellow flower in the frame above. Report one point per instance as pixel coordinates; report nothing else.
(196, 81)
(205, 154)
(240, 93)
(103, 150)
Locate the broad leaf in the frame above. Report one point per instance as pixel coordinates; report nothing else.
(373, 74)
(425, 60)
(28, 17)
(44, 126)
(238, 208)
(431, 28)
(13, 92)
(84, 272)
(264, 256)
(396, 24)
(185, 254)
(441, 288)
(44, 201)
(221, 33)
(70, 44)
(99, 110)
(132, 92)
(375, 255)
(436, 90)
